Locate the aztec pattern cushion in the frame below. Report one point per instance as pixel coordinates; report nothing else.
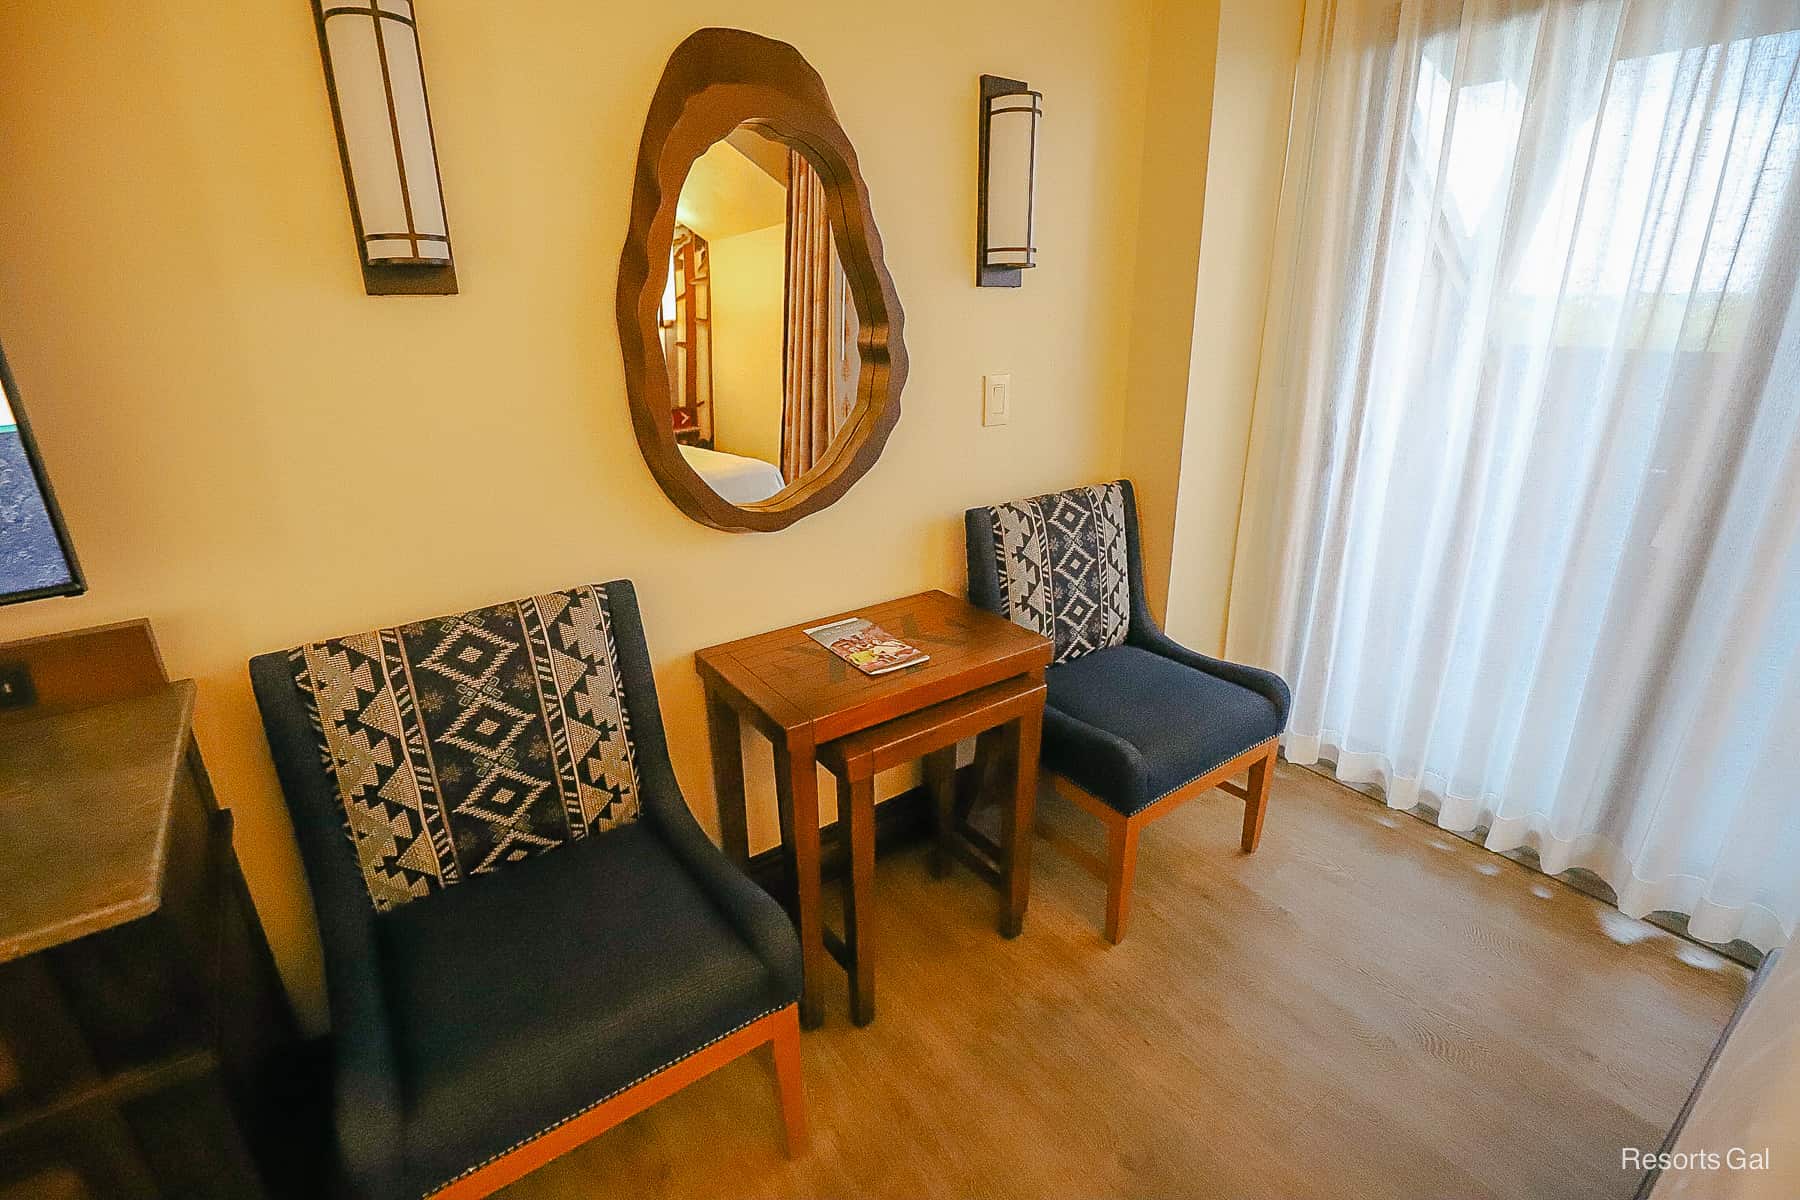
(1062, 567)
(464, 743)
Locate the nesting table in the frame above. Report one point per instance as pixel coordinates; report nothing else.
(803, 699)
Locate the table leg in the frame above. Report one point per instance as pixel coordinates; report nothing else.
(1019, 818)
(790, 876)
(797, 785)
(940, 781)
(722, 733)
(990, 771)
(856, 808)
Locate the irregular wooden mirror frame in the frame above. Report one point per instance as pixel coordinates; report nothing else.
(715, 81)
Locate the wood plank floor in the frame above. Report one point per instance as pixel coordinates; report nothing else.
(1365, 1007)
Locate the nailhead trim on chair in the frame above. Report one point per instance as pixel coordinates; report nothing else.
(1204, 771)
(523, 1142)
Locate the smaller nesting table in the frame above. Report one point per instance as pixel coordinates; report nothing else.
(1008, 720)
(802, 697)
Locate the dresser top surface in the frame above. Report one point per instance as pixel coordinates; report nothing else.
(85, 807)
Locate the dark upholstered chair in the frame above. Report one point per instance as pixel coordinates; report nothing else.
(1135, 722)
(527, 936)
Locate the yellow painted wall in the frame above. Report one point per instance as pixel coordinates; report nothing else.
(251, 452)
(1259, 47)
(749, 282)
(1185, 44)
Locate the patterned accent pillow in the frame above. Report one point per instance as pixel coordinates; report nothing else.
(464, 743)
(1063, 568)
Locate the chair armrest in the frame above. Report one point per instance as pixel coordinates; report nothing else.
(1069, 740)
(757, 918)
(752, 912)
(366, 1094)
(1265, 683)
(1146, 634)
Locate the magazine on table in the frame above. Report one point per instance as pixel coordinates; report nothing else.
(867, 646)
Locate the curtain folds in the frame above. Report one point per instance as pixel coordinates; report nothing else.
(819, 364)
(1522, 525)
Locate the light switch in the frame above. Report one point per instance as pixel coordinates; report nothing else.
(996, 399)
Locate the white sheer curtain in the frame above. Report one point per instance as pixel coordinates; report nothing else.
(1523, 523)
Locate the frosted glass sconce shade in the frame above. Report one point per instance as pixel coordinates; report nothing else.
(1007, 235)
(377, 84)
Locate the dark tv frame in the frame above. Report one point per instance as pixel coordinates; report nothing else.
(77, 583)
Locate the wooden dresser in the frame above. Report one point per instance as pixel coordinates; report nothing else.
(141, 1019)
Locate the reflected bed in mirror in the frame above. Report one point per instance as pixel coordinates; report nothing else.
(759, 327)
(761, 330)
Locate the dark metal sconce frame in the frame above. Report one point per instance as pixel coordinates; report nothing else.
(430, 274)
(985, 275)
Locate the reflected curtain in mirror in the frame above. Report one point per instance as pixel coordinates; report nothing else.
(819, 356)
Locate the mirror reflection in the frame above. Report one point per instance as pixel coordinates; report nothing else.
(758, 324)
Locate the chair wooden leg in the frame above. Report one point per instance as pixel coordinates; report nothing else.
(1256, 803)
(788, 1086)
(856, 808)
(1121, 867)
(940, 781)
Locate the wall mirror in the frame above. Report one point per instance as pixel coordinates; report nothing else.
(761, 329)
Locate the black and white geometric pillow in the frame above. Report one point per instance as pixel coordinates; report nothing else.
(1063, 568)
(468, 742)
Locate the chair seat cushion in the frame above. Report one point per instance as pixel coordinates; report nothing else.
(1130, 725)
(515, 1009)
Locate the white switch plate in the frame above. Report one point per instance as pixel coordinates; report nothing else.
(996, 399)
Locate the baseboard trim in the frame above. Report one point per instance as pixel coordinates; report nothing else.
(900, 821)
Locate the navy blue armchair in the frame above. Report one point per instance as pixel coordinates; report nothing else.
(1134, 721)
(527, 936)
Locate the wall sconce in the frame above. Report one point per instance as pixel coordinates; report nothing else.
(1005, 232)
(376, 81)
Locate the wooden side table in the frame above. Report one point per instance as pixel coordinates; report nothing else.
(799, 695)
